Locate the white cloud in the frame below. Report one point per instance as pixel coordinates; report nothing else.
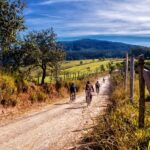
(118, 17)
(48, 2)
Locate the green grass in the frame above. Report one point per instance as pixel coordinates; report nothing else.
(87, 68)
(69, 64)
(71, 67)
(119, 128)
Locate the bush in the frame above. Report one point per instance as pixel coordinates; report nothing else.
(7, 84)
(41, 97)
(58, 85)
(9, 102)
(22, 86)
(46, 88)
(33, 98)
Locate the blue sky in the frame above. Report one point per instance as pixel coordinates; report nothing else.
(125, 21)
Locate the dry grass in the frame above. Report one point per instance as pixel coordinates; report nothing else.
(118, 130)
(14, 102)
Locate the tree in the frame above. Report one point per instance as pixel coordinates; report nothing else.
(44, 51)
(11, 22)
(16, 61)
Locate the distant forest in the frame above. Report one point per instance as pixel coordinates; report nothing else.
(90, 54)
(91, 49)
(87, 54)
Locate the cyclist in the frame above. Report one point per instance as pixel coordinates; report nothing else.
(88, 90)
(103, 80)
(97, 86)
(73, 92)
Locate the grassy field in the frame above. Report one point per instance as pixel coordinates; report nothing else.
(73, 63)
(84, 67)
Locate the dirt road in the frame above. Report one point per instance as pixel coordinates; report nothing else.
(56, 127)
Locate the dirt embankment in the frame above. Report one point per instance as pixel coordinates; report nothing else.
(55, 127)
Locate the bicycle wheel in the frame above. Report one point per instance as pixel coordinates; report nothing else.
(71, 97)
(97, 91)
(88, 99)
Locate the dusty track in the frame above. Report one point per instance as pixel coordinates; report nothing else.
(56, 127)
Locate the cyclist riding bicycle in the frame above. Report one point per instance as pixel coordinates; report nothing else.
(73, 92)
(97, 86)
(103, 80)
(88, 90)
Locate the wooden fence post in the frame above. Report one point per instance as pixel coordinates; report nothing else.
(142, 92)
(131, 78)
(126, 73)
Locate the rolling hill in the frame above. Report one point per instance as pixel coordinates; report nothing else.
(91, 44)
(91, 49)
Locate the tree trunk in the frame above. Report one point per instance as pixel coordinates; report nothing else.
(43, 74)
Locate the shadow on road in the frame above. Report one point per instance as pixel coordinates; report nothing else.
(80, 107)
(62, 103)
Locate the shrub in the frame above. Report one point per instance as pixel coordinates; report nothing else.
(7, 83)
(33, 98)
(41, 97)
(46, 88)
(58, 85)
(9, 102)
(22, 86)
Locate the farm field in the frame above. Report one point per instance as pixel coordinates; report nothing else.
(82, 67)
(69, 64)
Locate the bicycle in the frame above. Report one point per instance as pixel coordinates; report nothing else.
(97, 90)
(88, 98)
(72, 97)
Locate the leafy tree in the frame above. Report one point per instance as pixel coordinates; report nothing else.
(44, 51)
(11, 22)
(16, 61)
(138, 51)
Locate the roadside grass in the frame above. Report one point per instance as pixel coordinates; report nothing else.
(118, 129)
(15, 92)
(19, 102)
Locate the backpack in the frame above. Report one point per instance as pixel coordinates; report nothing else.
(73, 88)
(89, 87)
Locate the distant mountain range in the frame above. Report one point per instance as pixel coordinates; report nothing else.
(91, 44)
(91, 49)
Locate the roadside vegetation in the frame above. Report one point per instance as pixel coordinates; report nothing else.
(118, 129)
